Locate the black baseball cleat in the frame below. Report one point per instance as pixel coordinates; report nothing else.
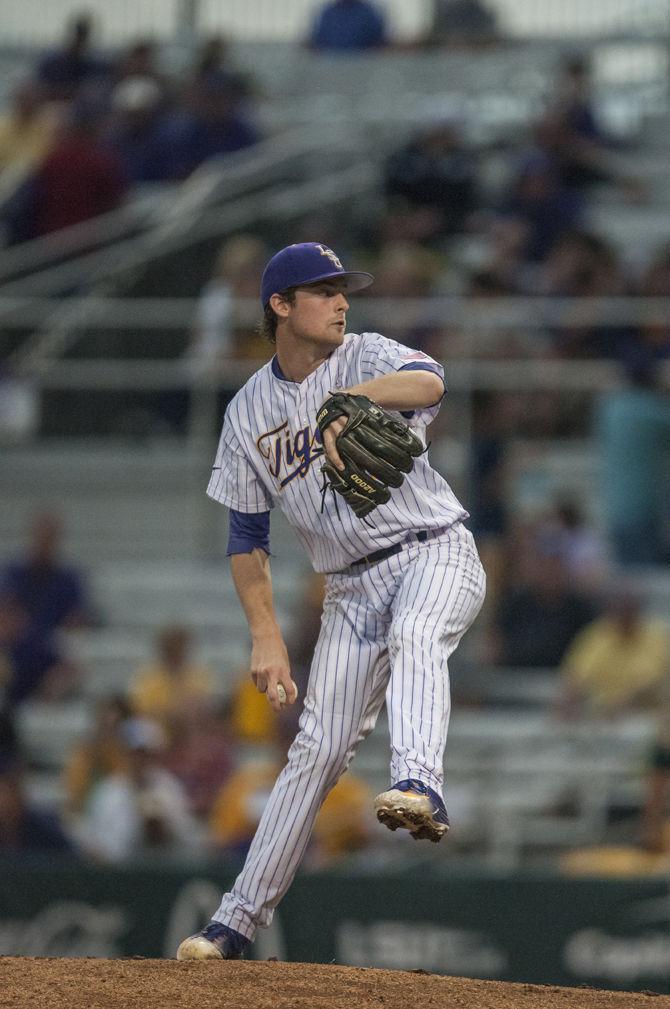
(214, 942)
(415, 807)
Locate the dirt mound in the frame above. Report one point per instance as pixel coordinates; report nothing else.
(166, 984)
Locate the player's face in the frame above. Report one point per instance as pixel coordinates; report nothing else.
(319, 313)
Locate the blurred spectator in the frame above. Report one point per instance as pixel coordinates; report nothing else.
(617, 861)
(461, 23)
(221, 328)
(652, 853)
(213, 57)
(655, 827)
(306, 628)
(9, 740)
(537, 619)
(79, 179)
(301, 644)
(252, 718)
(141, 810)
(504, 240)
(570, 134)
(483, 336)
(240, 803)
(202, 754)
(406, 270)
(583, 265)
(654, 337)
(574, 255)
(139, 132)
(103, 753)
(64, 71)
(218, 331)
(493, 418)
(348, 26)
(569, 131)
(434, 176)
(40, 596)
(26, 829)
(52, 593)
(574, 100)
(167, 688)
(580, 546)
(538, 210)
(616, 663)
(140, 62)
(27, 130)
(342, 825)
(213, 124)
(409, 270)
(31, 666)
(210, 58)
(632, 438)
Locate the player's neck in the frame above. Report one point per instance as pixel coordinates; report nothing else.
(297, 362)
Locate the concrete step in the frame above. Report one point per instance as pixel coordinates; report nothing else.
(121, 502)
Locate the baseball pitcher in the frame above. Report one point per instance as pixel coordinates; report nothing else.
(332, 431)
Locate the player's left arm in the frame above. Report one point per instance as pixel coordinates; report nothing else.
(407, 389)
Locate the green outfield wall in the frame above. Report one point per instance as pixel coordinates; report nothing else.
(610, 934)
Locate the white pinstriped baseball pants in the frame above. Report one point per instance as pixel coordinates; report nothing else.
(387, 632)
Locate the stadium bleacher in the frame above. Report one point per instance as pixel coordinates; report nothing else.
(153, 547)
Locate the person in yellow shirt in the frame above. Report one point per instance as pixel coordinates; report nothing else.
(654, 819)
(27, 131)
(253, 719)
(617, 663)
(168, 687)
(341, 826)
(650, 854)
(101, 754)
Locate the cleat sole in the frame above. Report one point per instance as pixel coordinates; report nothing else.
(421, 826)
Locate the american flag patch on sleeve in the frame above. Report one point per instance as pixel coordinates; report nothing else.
(416, 355)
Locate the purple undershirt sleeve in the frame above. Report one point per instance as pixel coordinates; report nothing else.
(248, 531)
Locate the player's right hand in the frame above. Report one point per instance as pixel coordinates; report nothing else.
(330, 441)
(270, 668)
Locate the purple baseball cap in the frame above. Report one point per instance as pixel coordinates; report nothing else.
(306, 263)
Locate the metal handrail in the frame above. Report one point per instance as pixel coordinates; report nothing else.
(152, 375)
(443, 310)
(36, 253)
(127, 257)
(217, 180)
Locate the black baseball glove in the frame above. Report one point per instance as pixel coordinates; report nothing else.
(376, 449)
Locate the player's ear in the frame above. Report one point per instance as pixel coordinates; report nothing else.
(280, 305)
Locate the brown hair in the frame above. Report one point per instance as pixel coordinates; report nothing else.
(267, 327)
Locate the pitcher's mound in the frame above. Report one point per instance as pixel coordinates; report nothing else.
(165, 984)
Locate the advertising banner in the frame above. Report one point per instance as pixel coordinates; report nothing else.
(609, 934)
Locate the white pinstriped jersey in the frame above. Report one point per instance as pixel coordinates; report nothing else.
(270, 455)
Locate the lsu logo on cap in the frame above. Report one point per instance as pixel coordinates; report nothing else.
(329, 254)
